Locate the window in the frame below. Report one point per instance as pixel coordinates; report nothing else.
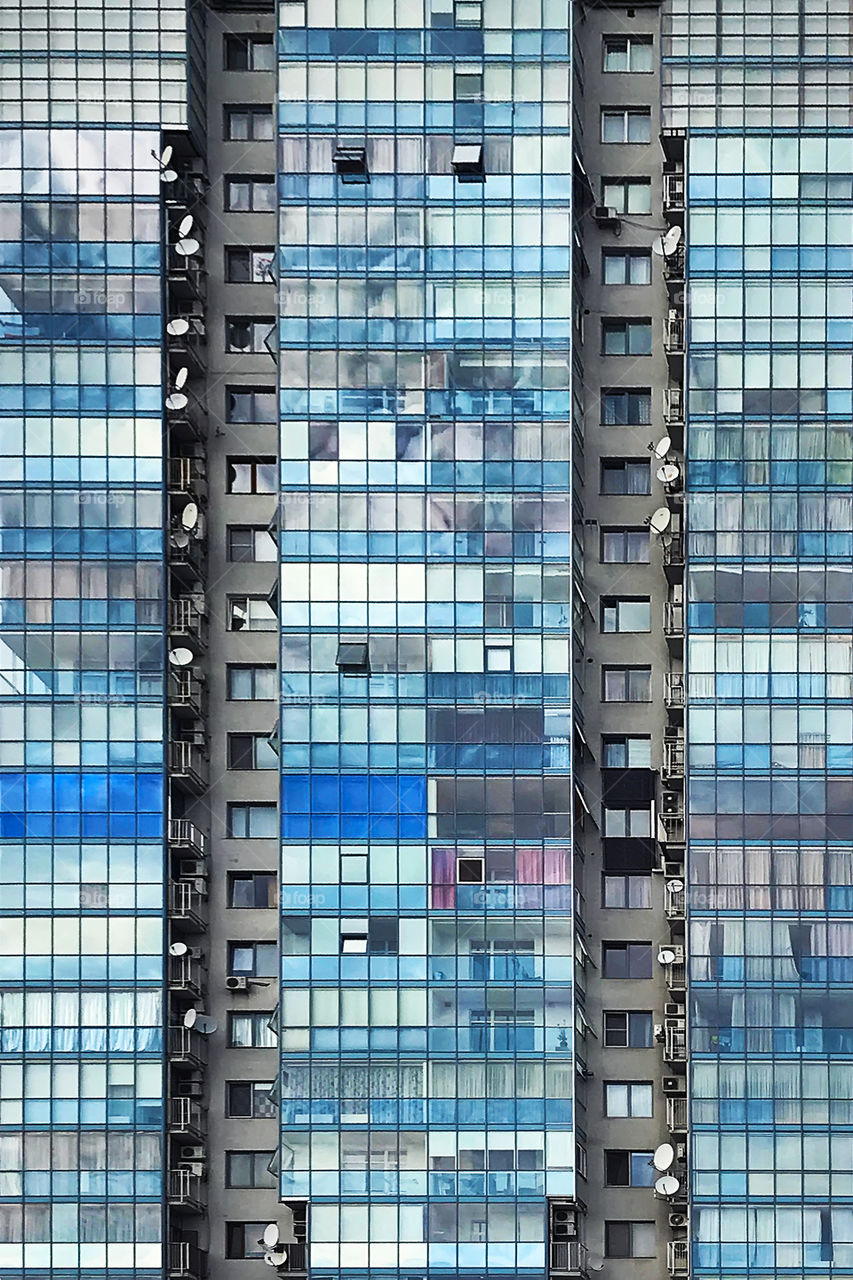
(631, 124)
(292, 13)
(628, 1030)
(630, 1240)
(249, 266)
(630, 1098)
(250, 1100)
(627, 892)
(251, 404)
(251, 613)
(247, 545)
(249, 53)
(251, 475)
(251, 821)
(253, 959)
(468, 86)
(627, 684)
(251, 1031)
(245, 334)
(628, 267)
(245, 1239)
(621, 823)
(626, 337)
(248, 124)
(629, 1169)
(627, 195)
(628, 53)
(628, 751)
(377, 936)
(626, 476)
(625, 546)
(628, 614)
(626, 408)
(252, 889)
(258, 683)
(248, 1169)
(250, 194)
(251, 751)
(468, 13)
(626, 959)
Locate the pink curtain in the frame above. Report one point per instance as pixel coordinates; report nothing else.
(444, 877)
(556, 866)
(528, 866)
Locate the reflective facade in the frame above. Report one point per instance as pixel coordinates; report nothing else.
(425, 541)
(81, 630)
(770, 661)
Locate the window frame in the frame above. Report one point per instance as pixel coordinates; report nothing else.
(627, 186)
(633, 1087)
(235, 757)
(607, 1040)
(233, 603)
(256, 182)
(615, 739)
(631, 1154)
(631, 675)
(250, 42)
(254, 877)
(261, 952)
(244, 541)
(628, 394)
(614, 605)
(236, 252)
(623, 882)
(635, 954)
(629, 117)
(255, 325)
(630, 467)
(257, 1156)
(254, 668)
(645, 41)
(233, 808)
(636, 331)
(254, 112)
(610, 533)
(255, 1087)
(630, 1229)
(627, 257)
(262, 1037)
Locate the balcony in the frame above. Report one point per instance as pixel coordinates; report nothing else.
(674, 269)
(189, 348)
(672, 829)
(675, 1041)
(187, 905)
(185, 976)
(188, 765)
(674, 694)
(187, 623)
(186, 1261)
(186, 694)
(673, 342)
(676, 979)
(187, 426)
(186, 561)
(672, 768)
(673, 198)
(185, 1190)
(187, 1048)
(673, 626)
(186, 278)
(673, 414)
(186, 1119)
(675, 905)
(678, 1257)
(185, 837)
(673, 560)
(676, 1115)
(297, 1257)
(568, 1258)
(187, 475)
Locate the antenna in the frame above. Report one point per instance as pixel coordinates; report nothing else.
(595, 1261)
(195, 1020)
(181, 377)
(189, 516)
(185, 226)
(662, 448)
(176, 400)
(276, 1259)
(666, 956)
(667, 1186)
(187, 247)
(674, 886)
(658, 248)
(668, 473)
(664, 1157)
(671, 241)
(180, 657)
(660, 519)
(271, 1236)
(178, 327)
(178, 949)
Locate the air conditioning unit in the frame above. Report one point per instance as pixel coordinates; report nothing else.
(671, 802)
(681, 1151)
(658, 1031)
(193, 1153)
(606, 216)
(190, 1089)
(192, 869)
(236, 983)
(677, 1220)
(564, 1221)
(673, 1085)
(195, 1168)
(673, 1010)
(673, 870)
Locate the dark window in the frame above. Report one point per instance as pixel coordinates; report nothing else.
(249, 53)
(251, 475)
(257, 889)
(628, 1030)
(251, 404)
(633, 266)
(468, 86)
(248, 124)
(323, 441)
(626, 614)
(250, 194)
(244, 1239)
(628, 53)
(627, 892)
(626, 476)
(627, 195)
(251, 751)
(626, 959)
(252, 683)
(248, 545)
(626, 124)
(626, 408)
(628, 751)
(626, 337)
(251, 821)
(626, 684)
(249, 266)
(248, 1169)
(630, 1239)
(249, 1100)
(248, 334)
(625, 546)
(253, 959)
(629, 1169)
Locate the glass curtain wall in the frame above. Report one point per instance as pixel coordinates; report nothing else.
(81, 628)
(425, 246)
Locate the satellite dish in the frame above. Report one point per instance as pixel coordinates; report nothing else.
(166, 155)
(181, 377)
(658, 247)
(168, 175)
(178, 327)
(668, 473)
(277, 1259)
(671, 241)
(660, 519)
(664, 1157)
(271, 1235)
(178, 949)
(662, 448)
(181, 657)
(177, 400)
(194, 1020)
(674, 886)
(185, 226)
(666, 956)
(595, 1261)
(198, 528)
(667, 1186)
(189, 516)
(186, 248)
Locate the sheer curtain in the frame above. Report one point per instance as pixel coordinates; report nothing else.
(444, 878)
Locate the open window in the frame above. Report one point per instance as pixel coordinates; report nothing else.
(467, 162)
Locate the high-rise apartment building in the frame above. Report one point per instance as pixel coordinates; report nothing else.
(426, 462)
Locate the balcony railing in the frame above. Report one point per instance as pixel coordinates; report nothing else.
(185, 975)
(186, 1048)
(186, 694)
(673, 333)
(187, 475)
(673, 620)
(673, 758)
(297, 1256)
(674, 690)
(678, 1257)
(187, 621)
(185, 1189)
(185, 836)
(569, 1257)
(676, 976)
(673, 192)
(187, 903)
(673, 406)
(673, 827)
(186, 1261)
(187, 762)
(676, 1115)
(186, 1118)
(674, 902)
(675, 1044)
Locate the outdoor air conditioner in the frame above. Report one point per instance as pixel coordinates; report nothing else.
(677, 1220)
(190, 1089)
(673, 1010)
(192, 869)
(658, 1031)
(235, 982)
(674, 1085)
(681, 1151)
(606, 216)
(193, 1153)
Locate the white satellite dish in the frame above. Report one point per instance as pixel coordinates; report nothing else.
(178, 327)
(194, 1020)
(180, 538)
(668, 473)
(658, 247)
(662, 448)
(198, 528)
(660, 519)
(666, 956)
(674, 886)
(178, 949)
(271, 1235)
(667, 1186)
(167, 173)
(276, 1259)
(181, 377)
(176, 400)
(186, 248)
(595, 1261)
(671, 241)
(664, 1157)
(185, 226)
(166, 155)
(189, 516)
(181, 656)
